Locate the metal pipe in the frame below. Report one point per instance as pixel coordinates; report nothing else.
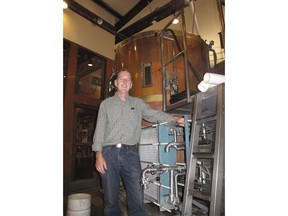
(164, 102)
(158, 184)
(177, 201)
(184, 38)
(176, 182)
(177, 146)
(173, 197)
(187, 138)
(171, 193)
(175, 57)
(168, 38)
(155, 169)
(204, 131)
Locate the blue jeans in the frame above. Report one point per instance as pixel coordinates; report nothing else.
(122, 162)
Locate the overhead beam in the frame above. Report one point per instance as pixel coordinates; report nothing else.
(159, 14)
(108, 8)
(132, 13)
(82, 11)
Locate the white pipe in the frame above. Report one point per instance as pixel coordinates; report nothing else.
(203, 87)
(195, 18)
(212, 78)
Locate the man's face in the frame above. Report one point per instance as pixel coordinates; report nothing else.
(123, 82)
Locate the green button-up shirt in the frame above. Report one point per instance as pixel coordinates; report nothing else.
(120, 121)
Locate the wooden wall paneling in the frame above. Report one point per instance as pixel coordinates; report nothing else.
(69, 116)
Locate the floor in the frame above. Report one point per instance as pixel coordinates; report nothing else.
(97, 205)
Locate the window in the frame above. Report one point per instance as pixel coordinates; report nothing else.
(90, 74)
(146, 74)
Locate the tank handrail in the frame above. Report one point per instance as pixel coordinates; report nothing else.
(179, 49)
(171, 60)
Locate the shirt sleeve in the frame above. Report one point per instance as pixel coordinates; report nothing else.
(154, 116)
(98, 137)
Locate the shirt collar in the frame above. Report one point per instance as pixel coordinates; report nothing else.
(128, 97)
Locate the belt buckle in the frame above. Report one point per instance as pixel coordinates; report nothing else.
(118, 145)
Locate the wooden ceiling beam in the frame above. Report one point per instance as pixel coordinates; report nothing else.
(132, 13)
(108, 8)
(82, 11)
(159, 14)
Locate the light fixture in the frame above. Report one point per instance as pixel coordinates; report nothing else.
(90, 62)
(175, 21)
(65, 5)
(99, 21)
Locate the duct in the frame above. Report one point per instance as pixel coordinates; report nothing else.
(213, 78)
(203, 87)
(195, 21)
(210, 80)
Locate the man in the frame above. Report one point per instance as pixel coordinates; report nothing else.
(115, 141)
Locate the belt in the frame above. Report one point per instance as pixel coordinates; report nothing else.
(121, 145)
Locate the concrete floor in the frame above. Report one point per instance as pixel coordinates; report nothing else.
(97, 205)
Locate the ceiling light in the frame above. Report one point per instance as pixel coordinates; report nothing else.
(65, 5)
(175, 21)
(91, 62)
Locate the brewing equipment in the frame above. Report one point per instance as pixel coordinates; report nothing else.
(141, 54)
(159, 165)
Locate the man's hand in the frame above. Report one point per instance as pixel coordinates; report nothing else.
(100, 163)
(179, 120)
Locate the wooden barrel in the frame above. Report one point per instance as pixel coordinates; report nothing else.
(141, 55)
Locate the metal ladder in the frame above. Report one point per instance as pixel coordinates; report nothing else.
(205, 195)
